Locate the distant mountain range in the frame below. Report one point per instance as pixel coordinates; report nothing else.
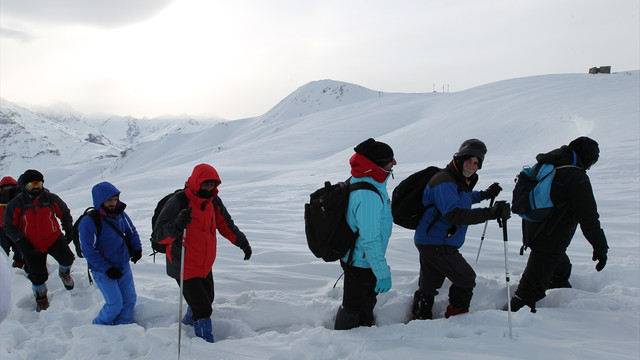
(63, 135)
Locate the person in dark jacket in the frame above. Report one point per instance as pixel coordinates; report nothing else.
(31, 222)
(9, 190)
(548, 265)
(366, 272)
(199, 221)
(108, 253)
(443, 227)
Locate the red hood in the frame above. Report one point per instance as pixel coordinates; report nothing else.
(200, 174)
(361, 166)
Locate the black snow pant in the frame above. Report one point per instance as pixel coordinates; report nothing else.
(438, 262)
(543, 271)
(37, 262)
(198, 293)
(7, 245)
(358, 299)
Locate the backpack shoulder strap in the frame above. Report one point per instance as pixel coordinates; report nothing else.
(96, 217)
(184, 200)
(363, 185)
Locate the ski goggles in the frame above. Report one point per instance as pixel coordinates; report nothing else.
(35, 183)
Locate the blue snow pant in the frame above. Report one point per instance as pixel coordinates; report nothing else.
(119, 296)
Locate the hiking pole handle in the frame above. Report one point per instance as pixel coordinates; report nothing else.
(484, 231)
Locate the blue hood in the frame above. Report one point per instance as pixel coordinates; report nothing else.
(101, 192)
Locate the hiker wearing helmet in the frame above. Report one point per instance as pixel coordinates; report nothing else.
(443, 227)
(204, 215)
(549, 266)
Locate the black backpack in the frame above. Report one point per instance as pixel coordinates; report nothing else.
(184, 203)
(96, 217)
(406, 200)
(325, 222)
(97, 221)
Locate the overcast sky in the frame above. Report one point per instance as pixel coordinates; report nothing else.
(238, 58)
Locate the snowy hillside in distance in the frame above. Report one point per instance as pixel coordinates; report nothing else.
(281, 304)
(58, 134)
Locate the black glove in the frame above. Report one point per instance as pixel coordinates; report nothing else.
(600, 254)
(491, 192)
(137, 254)
(184, 219)
(26, 247)
(500, 210)
(247, 251)
(113, 273)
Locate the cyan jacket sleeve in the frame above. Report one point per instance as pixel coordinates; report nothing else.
(368, 213)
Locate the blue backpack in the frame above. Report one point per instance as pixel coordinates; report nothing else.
(531, 195)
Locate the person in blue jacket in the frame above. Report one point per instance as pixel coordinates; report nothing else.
(369, 214)
(443, 227)
(108, 254)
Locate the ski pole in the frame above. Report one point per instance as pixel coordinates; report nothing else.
(182, 251)
(506, 270)
(483, 232)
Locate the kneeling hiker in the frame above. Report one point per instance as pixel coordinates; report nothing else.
(368, 213)
(199, 221)
(548, 265)
(442, 229)
(108, 240)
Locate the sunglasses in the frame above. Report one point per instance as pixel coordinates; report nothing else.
(35, 183)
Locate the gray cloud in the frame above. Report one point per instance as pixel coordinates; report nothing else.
(104, 14)
(15, 35)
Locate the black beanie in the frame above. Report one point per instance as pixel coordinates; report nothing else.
(471, 148)
(587, 150)
(32, 175)
(378, 152)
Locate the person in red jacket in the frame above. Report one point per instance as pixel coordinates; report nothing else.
(9, 190)
(31, 222)
(204, 215)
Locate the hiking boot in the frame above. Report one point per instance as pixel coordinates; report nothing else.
(202, 328)
(187, 319)
(66, 278)
(422, 305)
(517, 303)
(18, 264)
(42, 304)
(451, 311)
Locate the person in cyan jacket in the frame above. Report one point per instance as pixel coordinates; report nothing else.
(443, 227)
(204, 215)
(548, 266)
(369, 214)
(31, 222)
(108, 254)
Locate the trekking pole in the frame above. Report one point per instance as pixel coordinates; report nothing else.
(506, 270)
(182, 251)
(483, 232)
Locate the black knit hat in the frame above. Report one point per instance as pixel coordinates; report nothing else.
(471, 148)
(378, 152)
(32, 175)
(587, 150)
